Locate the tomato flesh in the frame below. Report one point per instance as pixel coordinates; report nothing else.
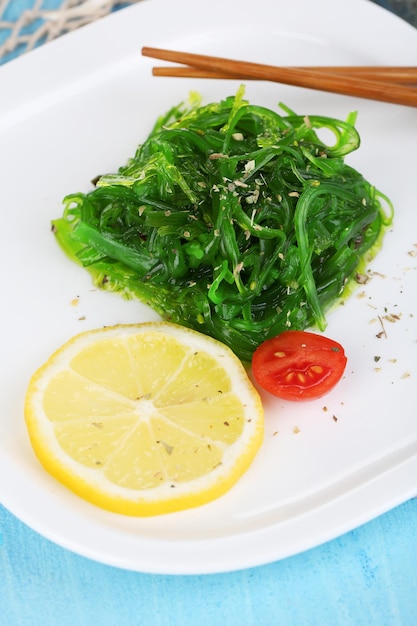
(298, 365)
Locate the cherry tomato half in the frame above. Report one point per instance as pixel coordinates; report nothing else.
(298, 365)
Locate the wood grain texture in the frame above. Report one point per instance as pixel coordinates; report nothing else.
(308, 78)
(390, 75)
(364, 577)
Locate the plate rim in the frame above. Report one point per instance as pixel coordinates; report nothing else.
(216, 564)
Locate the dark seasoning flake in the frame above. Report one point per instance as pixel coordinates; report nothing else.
(390, 315)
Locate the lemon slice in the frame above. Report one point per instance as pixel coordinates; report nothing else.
(144, 419)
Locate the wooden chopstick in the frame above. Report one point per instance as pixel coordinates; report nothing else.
(310, 78)
(390, 74)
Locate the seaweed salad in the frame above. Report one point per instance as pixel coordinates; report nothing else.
(232, 219)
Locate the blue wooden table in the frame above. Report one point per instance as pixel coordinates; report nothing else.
(366, 577)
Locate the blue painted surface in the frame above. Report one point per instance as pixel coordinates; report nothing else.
(367, 577)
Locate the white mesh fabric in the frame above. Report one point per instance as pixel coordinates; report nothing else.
(25, 24)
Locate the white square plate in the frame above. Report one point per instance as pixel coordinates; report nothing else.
(77, 107)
